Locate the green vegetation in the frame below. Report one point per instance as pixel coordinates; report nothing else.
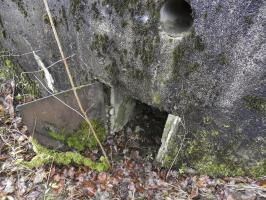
(81, 138)
(46, 18)
(77, 8)
(218, 8)
(223, 59)
(138, 74)
(189, 45)
(212, 167)
(21, 7)
(124, 23)
(121, 6)
(198, 43)
(203, 152)
(255, 102)
(2, 30)
(178, 55)
(24, 85)
(100, 44)
(207, 120)
(47, 156)
(192, 67)
(3, 34)
(156, 98)
(205, 15)
(146, 49)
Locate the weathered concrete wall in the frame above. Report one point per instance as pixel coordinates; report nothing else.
(212, 76)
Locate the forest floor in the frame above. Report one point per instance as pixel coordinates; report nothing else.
(132, 176)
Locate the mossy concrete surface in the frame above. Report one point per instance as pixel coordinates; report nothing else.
(213, 76)
(209, 151)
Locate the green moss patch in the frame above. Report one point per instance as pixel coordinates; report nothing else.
(47, 156)
(213, 153)
(81, 138)
(11, 70)
(156, 98)
(255, 102)
(190, 44)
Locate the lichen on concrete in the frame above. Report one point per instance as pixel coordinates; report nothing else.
(156, 98)
(12, 70)
(255, 103)
(207, 152)
(21, 7)
(208, 72)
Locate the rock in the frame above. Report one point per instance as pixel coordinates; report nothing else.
(211, 75)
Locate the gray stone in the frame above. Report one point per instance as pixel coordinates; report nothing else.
(212, 75)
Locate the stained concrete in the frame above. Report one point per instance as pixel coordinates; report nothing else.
(212, 76)
(61, 112)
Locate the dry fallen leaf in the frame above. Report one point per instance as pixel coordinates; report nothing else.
(3, 157)
(194, 192)
(2, 111)
(140, 188)
(90, 187)
(202, 182)
(102, 178)
(262, 183)
(60, 185)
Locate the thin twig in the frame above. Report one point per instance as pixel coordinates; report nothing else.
(31, 72)
(71, 79)
(76, 111)
(18, 55)
(48, 178)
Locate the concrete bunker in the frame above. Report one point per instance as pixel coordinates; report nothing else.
(176, 17)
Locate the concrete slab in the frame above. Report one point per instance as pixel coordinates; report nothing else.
(48, 112)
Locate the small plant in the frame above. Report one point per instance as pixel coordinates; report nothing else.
(82, 137)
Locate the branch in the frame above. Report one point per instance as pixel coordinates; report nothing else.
(71, 79)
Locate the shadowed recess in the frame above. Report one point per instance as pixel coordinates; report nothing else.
(176, 16)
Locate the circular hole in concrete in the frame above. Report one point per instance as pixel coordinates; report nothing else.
(176, 16)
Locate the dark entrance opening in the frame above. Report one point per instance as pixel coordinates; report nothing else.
(176, 16)
(145, 130)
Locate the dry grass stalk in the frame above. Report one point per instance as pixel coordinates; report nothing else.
(71, 79)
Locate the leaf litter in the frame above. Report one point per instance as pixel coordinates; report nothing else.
(133, 174)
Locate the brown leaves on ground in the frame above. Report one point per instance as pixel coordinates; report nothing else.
(132, 175)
